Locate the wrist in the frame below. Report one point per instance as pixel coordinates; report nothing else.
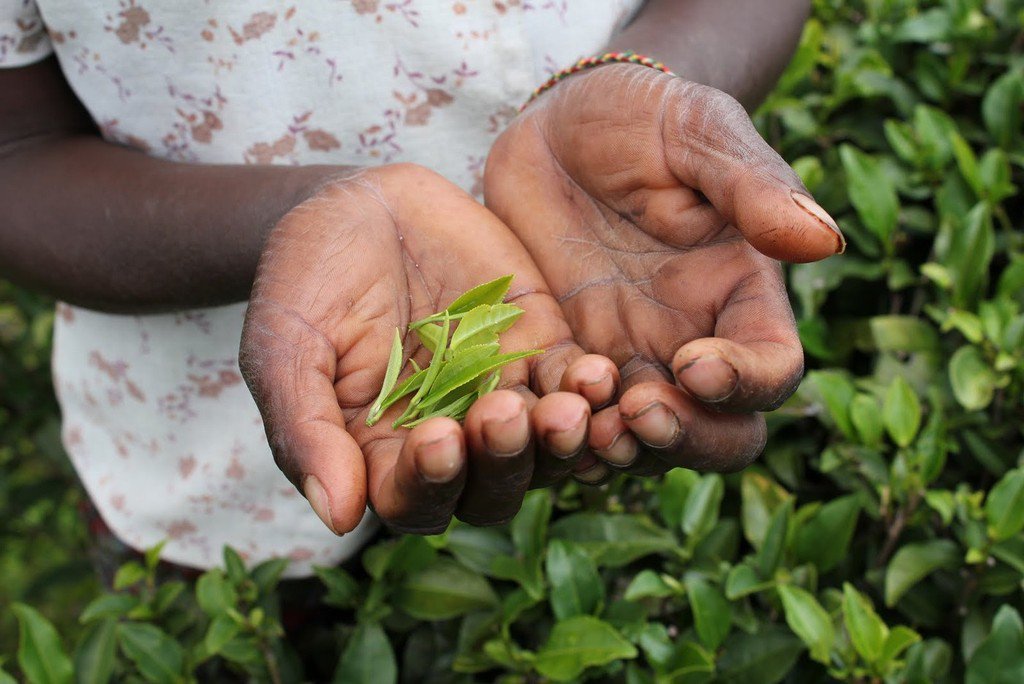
(596, 62)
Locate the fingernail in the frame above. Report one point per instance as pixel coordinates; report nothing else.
(567, 442)
(815, 210)
(316, 495)
(594, 475)
(655, 425)
(600, 392)
(586, 462)
(438, 461)
(507, 437)
(622, 451)
(710, 377)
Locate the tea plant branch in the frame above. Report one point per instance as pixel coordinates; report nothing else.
(899, 521)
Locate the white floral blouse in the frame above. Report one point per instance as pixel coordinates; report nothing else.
(157, 420)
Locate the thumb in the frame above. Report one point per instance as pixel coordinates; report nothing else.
(711, 145)
(290, 370)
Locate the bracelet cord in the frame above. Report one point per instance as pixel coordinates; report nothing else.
(627, 57)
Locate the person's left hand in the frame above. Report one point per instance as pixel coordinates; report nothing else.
(655, 212)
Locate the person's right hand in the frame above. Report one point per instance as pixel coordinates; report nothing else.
(339, 273)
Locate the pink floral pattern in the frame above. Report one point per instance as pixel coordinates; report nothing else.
(157, 420)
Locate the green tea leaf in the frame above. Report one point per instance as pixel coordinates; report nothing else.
(468, 373)
(702, 505)
(158, 656)
(1001, 108)
(390, 378)
(688, 663)
(457, 410)
(430, 336)
(712, 614)
(342, 589)
(900, 639)
(477, 547)
(368, 658)
(40, 654)
(576, 587)
(96, 655)
(234, 565)
(222, 629)
(967, 161)
(405, 388)
(809, 621)
(765, 657)
(489, 385)
(647, 584)
(489, 293)
(825, 539)
(760, 496)
(429, 376)
(999, 659)
(871, 192)
(108, 605)
(914, 562)
(867, 631)
(214, 594)
(485, 322)
(972, 378)
(578, 643)
(128, 575)
(530, 526)
(866, 415)
(744, 580)
(444, 590)
(902, 412)
(837, 391)
(770, 553)
(1004, 506)
(968, 254)
(614, 540)
(466, 357)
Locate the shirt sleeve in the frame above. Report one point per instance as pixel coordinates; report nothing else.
(23, 38)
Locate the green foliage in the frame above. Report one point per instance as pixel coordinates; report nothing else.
(880, 539)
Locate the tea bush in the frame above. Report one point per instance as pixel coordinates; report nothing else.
(879, 539)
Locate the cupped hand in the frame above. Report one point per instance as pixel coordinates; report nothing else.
(656, 214)
(339, 273)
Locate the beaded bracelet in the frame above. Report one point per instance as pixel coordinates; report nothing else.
(628, 57)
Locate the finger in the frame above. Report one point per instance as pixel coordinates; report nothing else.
(560, 425)
(614, 443)
(592, 471)
(711, 145)
(593, 377)
(415, 477)
(755, 361)
(542, 326)
(611, 440)
(683, 433)
(497, 430)
(289, 369)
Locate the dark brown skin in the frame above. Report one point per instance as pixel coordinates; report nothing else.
(654, 209)
(110, 228)
(737, 46)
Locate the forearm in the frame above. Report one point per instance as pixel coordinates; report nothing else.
(738, 46)
(110, 228)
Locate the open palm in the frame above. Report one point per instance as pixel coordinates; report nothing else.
(339, 273)
(655, 212)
